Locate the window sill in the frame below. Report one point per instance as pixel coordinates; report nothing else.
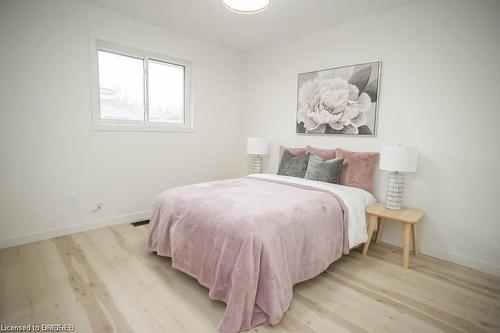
(181, 128)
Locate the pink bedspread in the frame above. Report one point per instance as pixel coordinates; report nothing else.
(249, 241)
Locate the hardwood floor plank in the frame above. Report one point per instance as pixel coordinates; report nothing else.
(144, 313)
(293, 325)
(368, 313)
(329, 315)
(184, 286)
(438, 318)
(475, 308)
(56, 281)
(90, 291)
(437, 267)
(475, 288)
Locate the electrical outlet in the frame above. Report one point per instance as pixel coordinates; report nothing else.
(98, 208)
(74, 200)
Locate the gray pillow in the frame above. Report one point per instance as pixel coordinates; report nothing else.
(324, 171)
(292, 165)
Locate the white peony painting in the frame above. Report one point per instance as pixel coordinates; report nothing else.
(339, 101)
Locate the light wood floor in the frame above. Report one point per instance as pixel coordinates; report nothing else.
(103, 281)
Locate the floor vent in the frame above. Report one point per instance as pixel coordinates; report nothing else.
(136, 224)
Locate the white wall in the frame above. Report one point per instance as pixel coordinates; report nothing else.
(439, 90)
(48, 149)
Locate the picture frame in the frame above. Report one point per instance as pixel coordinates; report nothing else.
(339, 101)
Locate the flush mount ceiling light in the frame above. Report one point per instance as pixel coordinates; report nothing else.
(246, 6)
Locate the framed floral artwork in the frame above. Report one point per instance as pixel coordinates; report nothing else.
(340, 100)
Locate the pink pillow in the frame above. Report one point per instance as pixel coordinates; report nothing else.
(325, 154)
(294, 151)
(358, 168)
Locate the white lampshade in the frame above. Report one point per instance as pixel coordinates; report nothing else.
(257, 146)
(398, 158)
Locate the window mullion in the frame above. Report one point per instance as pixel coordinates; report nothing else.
(146, 91)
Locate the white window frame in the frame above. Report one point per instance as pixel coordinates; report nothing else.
(137, 125)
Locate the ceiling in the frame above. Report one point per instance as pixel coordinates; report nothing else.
(210, 20)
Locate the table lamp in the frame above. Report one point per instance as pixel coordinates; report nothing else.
(257, 147)
(399, 159)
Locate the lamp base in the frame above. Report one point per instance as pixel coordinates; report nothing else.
(394, 191)
(257, 164)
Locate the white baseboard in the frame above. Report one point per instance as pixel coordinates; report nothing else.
(61, 231)
(460, 259)
(456, 258)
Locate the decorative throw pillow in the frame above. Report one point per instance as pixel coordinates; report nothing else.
(294, 151)
(325, 154)
(325, 171)
(358, 169)
(292, 165)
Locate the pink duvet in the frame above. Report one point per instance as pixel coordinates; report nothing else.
(249, 241)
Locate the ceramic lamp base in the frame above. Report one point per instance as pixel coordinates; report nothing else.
(395, 191)
(257, 164)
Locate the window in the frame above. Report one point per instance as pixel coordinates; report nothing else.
(121, 87)
(141, 91)
(166, 92)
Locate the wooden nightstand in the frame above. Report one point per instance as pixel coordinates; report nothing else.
(408, 217)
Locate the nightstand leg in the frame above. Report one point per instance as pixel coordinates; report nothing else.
(406, 244)
(372, 222)
(415, 239)
(379, 229)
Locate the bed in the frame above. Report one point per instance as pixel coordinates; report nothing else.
(249, 240)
